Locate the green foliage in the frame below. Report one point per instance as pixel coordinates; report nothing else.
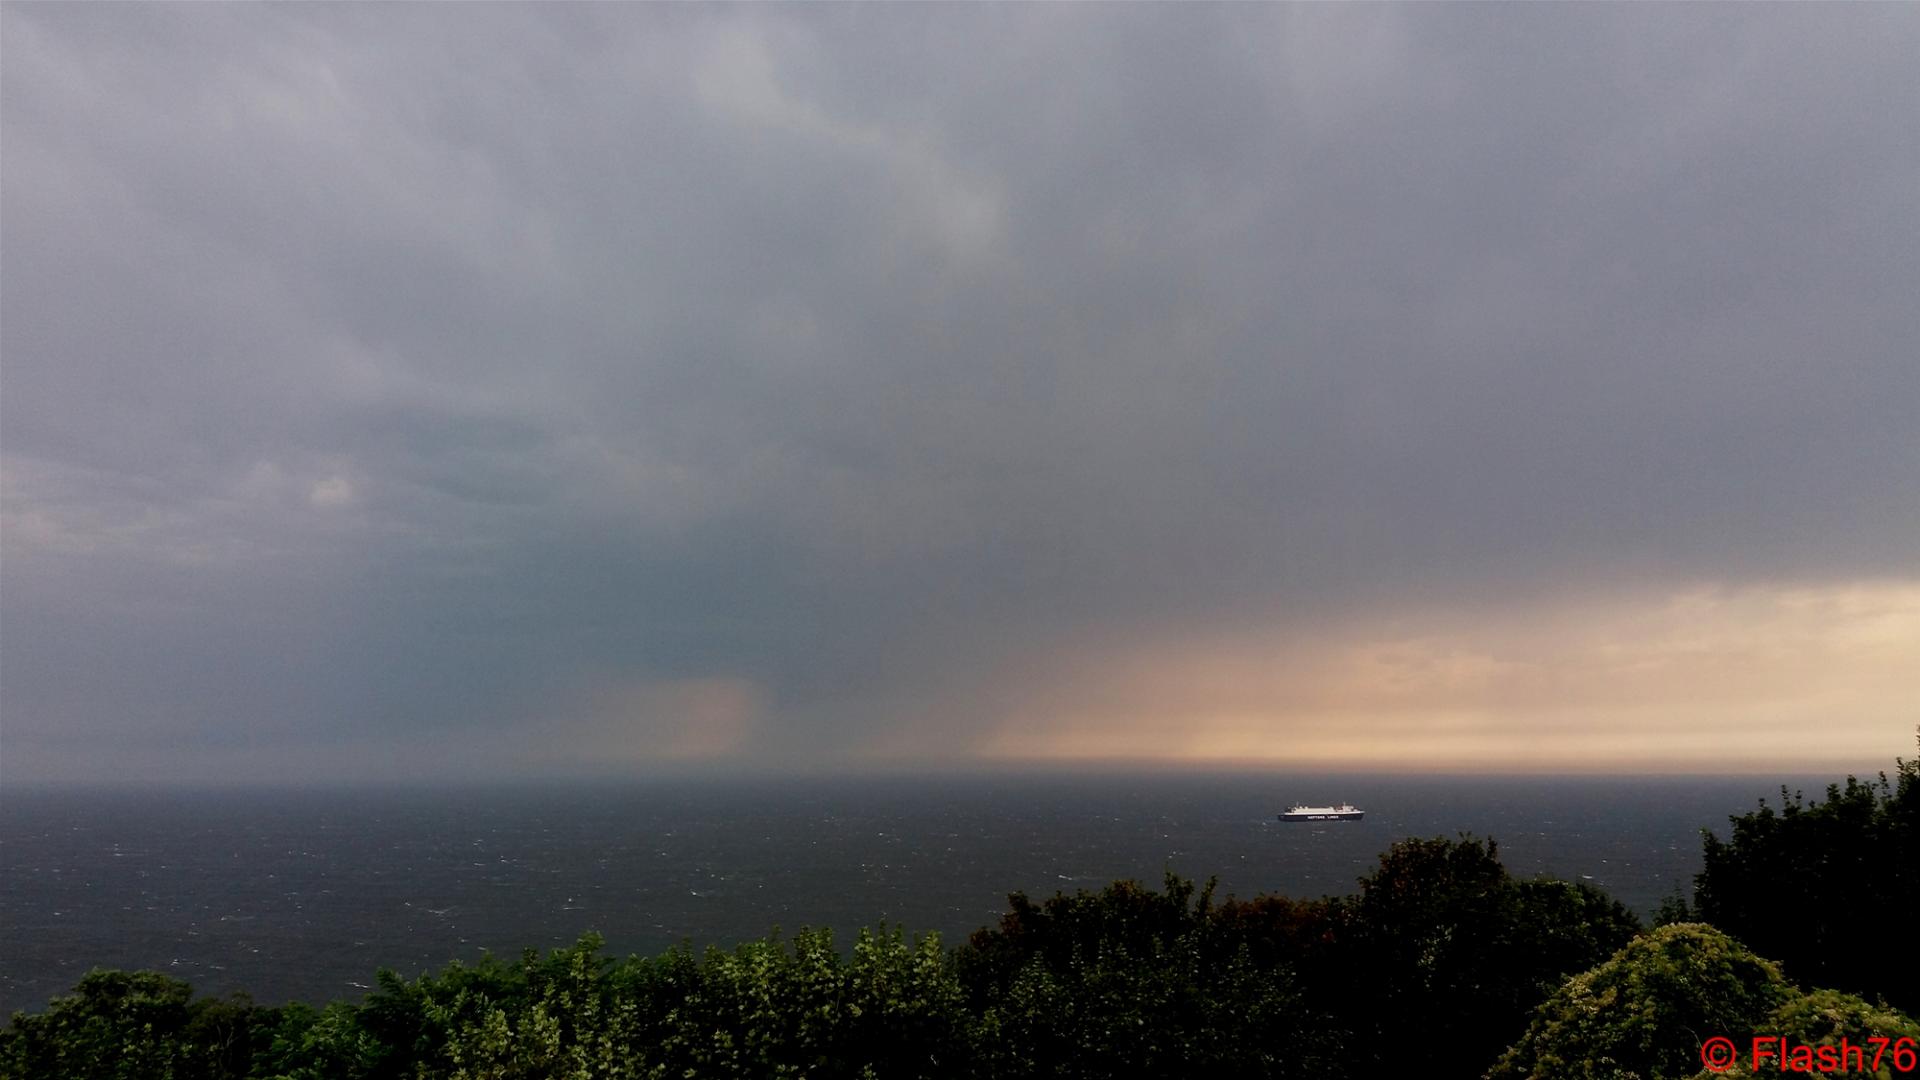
(1645, 1012)
(1124, 918)
(1443, 953)
(133, 1025)
(1828, 887)
(1128, 981)
(1471, 950)
(548, 1017)
(1674, 909)
(767, 1009)
(1825, 1018)
(330, 1044)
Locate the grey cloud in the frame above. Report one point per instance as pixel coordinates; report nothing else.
(401, 369)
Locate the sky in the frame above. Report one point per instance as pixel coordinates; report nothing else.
(414, 393)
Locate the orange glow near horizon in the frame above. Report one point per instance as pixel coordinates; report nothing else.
(1706, 680)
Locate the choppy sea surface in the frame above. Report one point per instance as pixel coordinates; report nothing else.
(302, 895)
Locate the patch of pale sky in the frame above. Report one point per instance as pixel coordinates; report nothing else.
(1711, 678)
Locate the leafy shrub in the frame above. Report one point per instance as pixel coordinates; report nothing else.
(1826, 1018)
(1647, 1010)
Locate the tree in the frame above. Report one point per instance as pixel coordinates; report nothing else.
(1450, 952)
(1133, 982)
(133, 1025)
(1828, 887)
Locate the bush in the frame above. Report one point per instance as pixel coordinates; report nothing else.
(1647, 1010)
(1825, 1018)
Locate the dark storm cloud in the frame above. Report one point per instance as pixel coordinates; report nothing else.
(424, 375)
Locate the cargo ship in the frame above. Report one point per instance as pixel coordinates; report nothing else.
(1343, 812)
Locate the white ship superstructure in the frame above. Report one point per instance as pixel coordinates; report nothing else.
(1343, 812)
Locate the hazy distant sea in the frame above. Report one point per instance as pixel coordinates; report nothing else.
(303, 895)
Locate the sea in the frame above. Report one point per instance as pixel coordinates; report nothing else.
(304, 894)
